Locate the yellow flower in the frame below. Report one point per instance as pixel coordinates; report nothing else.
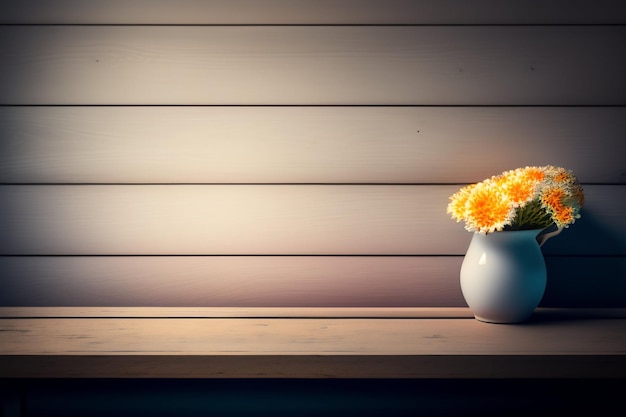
(520, 185)
(562, 203)
(551, 197)
(563, 216)
(525, 198)
(488, 209)
(458, 201)
(534, 174)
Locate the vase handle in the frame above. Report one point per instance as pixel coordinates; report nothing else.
(543, 238)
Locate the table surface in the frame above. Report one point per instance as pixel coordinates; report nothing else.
(308, 343)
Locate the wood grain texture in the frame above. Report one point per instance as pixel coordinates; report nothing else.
(541, 313)
(230, 281)
(263, 285)
(305, 144)
(554, 344)
(525, 65)
(267, 220)
(273, 312)
(250, 76)
(311, 12)
(311, 336)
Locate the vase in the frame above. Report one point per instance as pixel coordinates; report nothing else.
(503, 274)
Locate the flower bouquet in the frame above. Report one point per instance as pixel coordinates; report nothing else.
(503, 275)
(522, 199)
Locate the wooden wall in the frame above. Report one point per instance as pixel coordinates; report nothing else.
(296, 153)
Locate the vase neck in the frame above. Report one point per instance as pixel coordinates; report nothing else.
(509, 237)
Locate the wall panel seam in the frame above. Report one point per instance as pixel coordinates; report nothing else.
(319, 24)
(328, 105)
(287, 255)
(264, 184)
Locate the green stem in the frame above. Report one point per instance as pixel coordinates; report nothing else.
(531, 216)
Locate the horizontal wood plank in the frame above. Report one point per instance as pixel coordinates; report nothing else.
(548, 346)
(268, 312)
(310, 336)
(230, 281)
(311, 12)
(329, 286)
(267, 220)
(292, 312)
(525, 65)
(305, 144)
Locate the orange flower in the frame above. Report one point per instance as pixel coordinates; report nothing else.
(562, 177)
(559, 175)
(458, 201)
(559, 203)
(520, 185)
(533, 174)
(524, 198)
(487, 209)
(552, 197)
(563, 216)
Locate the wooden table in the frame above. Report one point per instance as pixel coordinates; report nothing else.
(308, 343)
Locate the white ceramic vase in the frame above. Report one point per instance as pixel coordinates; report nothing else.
(503, 275)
